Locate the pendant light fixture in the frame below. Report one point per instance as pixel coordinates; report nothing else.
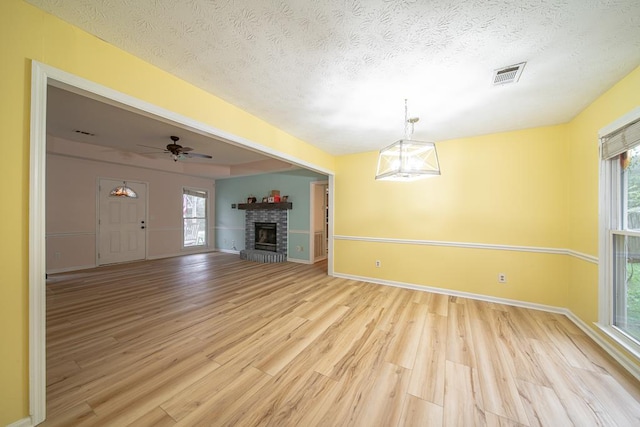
(123, 191)
(406, 159)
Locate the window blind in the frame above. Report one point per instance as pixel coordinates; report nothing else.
(621, 140)
(195, 193)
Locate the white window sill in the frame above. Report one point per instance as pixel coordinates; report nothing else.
(622, 339)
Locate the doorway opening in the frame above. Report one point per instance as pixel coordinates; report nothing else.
(43, 76)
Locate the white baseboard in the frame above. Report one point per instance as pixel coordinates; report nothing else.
(68, 269)
(480, 297)
(299, 261)
(620, 357)
(25, 422)
(177, 254)
(229, 251)
(163, 256)
(148, 258)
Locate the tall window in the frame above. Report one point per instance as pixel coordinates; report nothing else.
(620, 203)
(194, 214)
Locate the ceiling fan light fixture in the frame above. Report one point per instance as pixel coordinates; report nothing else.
(178, 152)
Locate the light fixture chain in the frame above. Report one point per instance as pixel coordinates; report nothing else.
(406, 159)
(406, 121)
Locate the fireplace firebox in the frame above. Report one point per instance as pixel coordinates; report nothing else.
(266, 233)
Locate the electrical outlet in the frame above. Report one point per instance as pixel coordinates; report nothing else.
(299, 248)
(378, 263)
(58, 255)
(502, 278)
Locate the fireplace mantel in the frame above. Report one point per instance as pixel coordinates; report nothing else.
(265, 206)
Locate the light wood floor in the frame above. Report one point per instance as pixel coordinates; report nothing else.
(213, 340)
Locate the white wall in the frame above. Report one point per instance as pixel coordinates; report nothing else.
(71, 209)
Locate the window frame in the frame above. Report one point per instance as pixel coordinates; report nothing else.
(186, 191)
(610, 206)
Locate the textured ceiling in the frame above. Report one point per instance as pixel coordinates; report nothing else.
(335, 72)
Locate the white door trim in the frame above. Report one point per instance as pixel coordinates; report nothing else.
(312, 219)
(37, 245)
(41, 76)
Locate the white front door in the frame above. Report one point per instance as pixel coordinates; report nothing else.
(122, 223)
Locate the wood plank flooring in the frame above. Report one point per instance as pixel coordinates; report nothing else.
(210, 340)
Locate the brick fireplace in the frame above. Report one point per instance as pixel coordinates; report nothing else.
(265, 213)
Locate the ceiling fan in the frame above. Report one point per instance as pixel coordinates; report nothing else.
(178, 152)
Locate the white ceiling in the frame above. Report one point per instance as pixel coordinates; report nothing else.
(87, 126)
(335, 73)
(71, 116)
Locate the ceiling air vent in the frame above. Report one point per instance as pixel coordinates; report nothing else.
(510, 74)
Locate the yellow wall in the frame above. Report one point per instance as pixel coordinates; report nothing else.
(505, 188)
(532, 277)
(28, 33)
(502, 189)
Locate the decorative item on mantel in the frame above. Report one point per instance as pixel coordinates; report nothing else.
(271, 202)
(274, 196)
(281, 205)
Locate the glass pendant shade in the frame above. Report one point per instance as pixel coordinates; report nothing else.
(408, 160)
(123, 191)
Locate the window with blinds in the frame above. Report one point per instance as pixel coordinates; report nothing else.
(621, 140)
(620, 305)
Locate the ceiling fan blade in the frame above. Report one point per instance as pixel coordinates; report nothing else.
(160, 149)
(176, 151)
(204, 156)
